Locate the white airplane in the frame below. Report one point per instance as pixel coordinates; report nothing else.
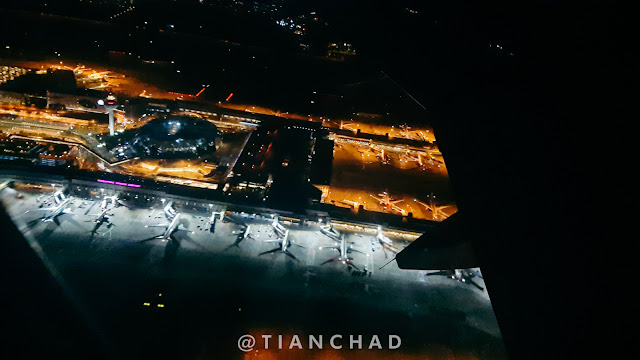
(414, 157)
(284, 243)
(102, 217)
(244, 234)
(343, 249)
(59, 209)
(331, 232)
(385, 241)
(170, 228)
(381, 155)
(169, 211)
(436, 211)
(111, 200)
(278, 228)
(389, 204)
(97, 75)
(241, 236)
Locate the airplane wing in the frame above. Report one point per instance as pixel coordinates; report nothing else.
(272, 240)
(444, 246)
(355, 250)
(67, 211)
(330, 247)
(46, 209)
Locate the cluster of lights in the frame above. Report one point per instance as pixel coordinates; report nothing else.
(121, 13)
(118, 183)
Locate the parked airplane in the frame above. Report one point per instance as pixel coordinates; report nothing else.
(170, 228)
(462, 275)
(389, 204)
(113, 201)
(169, 211)
(101, 218)
(284, 243)
(331, 232)
(381, 155)
(417, 157)
(385, 241)
(241, 236)
(59, 209)
(343, 250)
(436, 211)
(97, 75)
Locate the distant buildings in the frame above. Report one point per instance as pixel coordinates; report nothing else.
(8, 73)
(340, 51)
(169, 137)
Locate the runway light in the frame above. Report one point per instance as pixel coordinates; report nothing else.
(146, 304)
(160, 305)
